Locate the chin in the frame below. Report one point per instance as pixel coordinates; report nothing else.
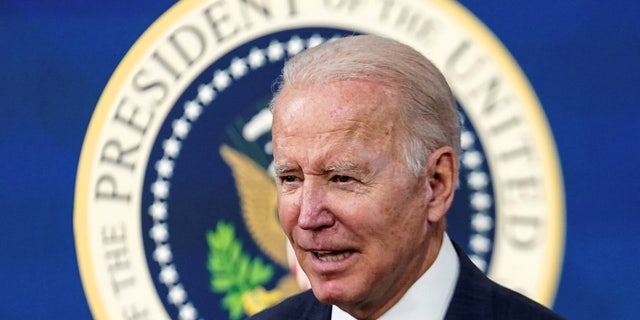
(327, 297)
(331, 292)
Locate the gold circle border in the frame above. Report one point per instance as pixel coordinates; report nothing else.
(89, 146)
(554, 185)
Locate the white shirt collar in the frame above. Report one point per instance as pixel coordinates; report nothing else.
(429, 297)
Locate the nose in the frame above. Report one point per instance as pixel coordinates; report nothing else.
(314, 210)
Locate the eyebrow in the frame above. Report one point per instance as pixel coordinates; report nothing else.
(348, 167)
(280, 170)
(342, 167)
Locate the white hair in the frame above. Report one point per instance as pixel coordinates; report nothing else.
(428, 108)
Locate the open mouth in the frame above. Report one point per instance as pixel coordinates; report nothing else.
(332, 256)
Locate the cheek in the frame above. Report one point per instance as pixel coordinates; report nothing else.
(394, 232)
(401, 218)
(370, 219)
(288, 214)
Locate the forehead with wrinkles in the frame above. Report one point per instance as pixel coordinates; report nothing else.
(360, 107)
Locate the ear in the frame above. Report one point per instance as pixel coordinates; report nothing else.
(442, 171)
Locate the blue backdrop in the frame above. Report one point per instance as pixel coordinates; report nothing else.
(581, 58)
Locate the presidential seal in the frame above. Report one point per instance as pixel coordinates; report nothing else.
(175, 204)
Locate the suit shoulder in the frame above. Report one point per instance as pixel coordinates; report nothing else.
(300, 306)
(478, 297)
(511, 304)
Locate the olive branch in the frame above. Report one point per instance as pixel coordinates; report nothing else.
(233, 272)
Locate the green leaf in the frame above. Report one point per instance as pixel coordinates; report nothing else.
(222, 284)
(233, 272)
(221, 237)
(243, 267)
(225, 234)
(234, 252)
(242, 273)
(215, 264)
(259, 273)
(233, 303)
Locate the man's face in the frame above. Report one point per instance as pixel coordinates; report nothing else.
(356, 217)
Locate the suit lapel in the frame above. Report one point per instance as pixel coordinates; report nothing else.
(314, 309)
(472, 295)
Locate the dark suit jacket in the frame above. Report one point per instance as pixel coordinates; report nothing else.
(475, 297)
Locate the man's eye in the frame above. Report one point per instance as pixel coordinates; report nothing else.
(341, 179)
(288, 179)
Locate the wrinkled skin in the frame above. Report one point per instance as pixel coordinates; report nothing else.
(362, 226)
